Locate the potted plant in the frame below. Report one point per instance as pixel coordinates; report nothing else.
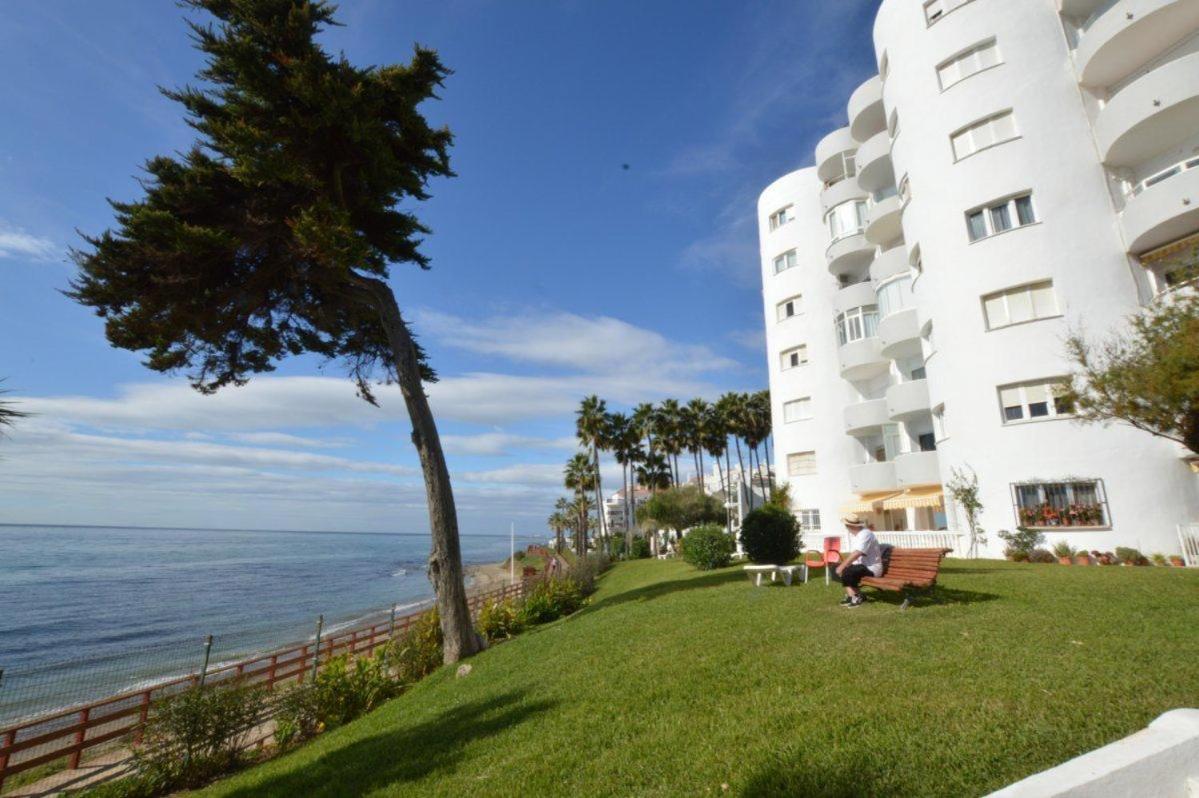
(1082, 558)
(1104, 557)
(1158, 558)
(1064, 552)
(1177, 561)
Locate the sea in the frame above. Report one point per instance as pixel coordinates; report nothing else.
(86, 612)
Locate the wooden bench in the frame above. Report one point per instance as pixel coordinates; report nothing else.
(909, 570)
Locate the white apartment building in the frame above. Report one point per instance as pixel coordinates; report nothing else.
(1016, 171)
(614, 508)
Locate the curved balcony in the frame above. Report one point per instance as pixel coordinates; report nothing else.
(857, 295)
(866, 114)
(1162, 213)
(908, 400)
(883, 220)
(899, 333)
(872, 477)
(1080, 9)
(862, 359)
(842, 191)
(849, 255)
(1128, 35)
(828, 151)
(917, 468)
(1151, 114)
(866, 417)
(875, 170)
(890, 263)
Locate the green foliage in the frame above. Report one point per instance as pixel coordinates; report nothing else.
(585, 570)
(963, 489)
(1158, 558)
(342, 690)
(679, 509)
(500, 620)
(770, 535)
(1130, 556)
(1147, 376)
(273, 235)
(780, 496)
(194, 736)
(1020, 544)
(1063, 549)
(550, 599)
(640, 549)
(1041, 556)
(418, 652)
(708, 547)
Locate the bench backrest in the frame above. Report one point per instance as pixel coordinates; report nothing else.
(917, 566)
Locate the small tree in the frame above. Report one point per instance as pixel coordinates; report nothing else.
(679, 509)
(770, 535)
(963, 489)
(1147, 376)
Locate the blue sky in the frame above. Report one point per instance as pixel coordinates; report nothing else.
(556, 272)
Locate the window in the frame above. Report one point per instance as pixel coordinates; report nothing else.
(846, 219)
(1043, 399)
(781, 217)
(856, 324)
(797, 410)
(983, 134)
(934, 10)
(801, 464)
(927, 442)
(1000, 216)
(971, 62)
(795, 357)
(788, 260)
(895, 294)
(789, 307)
(809, 520)
(1020, 304)
(1075, 502)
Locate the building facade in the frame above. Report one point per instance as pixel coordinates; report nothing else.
(1014, 173)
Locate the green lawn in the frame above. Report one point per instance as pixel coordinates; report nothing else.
(675, 682)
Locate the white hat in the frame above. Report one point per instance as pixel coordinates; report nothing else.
(853, 520)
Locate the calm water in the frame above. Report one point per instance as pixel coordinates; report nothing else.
(87, 609)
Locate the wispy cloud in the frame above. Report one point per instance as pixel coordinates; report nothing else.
(16, 243)
(497, 444)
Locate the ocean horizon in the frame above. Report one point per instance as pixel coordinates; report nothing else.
(91, 610)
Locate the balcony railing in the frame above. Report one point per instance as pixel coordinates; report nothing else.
(1163, 175)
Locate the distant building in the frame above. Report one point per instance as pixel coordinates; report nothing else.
(614, 508)
(1016, 170)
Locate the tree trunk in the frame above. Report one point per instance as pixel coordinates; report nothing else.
(628, 521)
(740, 462)
(769, 471)
(728, 469)
(724, 488)
(445, 555)
(601, 527)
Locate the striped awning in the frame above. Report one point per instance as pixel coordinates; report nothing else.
(1183, 246)
(930, 496)
(868, 502)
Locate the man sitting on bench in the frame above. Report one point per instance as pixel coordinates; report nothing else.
(865, 559)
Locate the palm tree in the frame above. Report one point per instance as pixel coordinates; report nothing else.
(668, 429)
(579, 476)
(9, 413)
(643, 422)
(653, 472)
(767, 421)
(591, 423)
(697, 412)
(716, 442)
(758, 427)
(560, 521)
(735, 414)
(625, 440)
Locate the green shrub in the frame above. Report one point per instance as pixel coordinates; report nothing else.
(550, 599)
(708, 547)
(1159, 559)
(640, 549)
(1063, 549)
(193, 737)
(1020, 544)
(343, 690)
(1130, 556)
(418, 652)
(586, 570)
(500, 620)
(1041, 556)
(770, 536)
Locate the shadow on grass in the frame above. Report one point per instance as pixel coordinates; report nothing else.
(401, 755)
(939, 595)
(657, 589)
(841, 782)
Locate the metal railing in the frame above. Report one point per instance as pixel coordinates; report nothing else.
(922, 540)
(1188, 537)
(68, 733)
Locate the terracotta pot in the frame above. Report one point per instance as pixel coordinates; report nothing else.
(1082, 559)
(1177, 561)
(1065, 560)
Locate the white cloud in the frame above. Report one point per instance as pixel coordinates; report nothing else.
(15, 243)
(284, 439)
(500, 443)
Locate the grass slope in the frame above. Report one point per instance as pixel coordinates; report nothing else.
(675, 682)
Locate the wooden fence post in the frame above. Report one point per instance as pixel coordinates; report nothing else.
(10, 738)
(80, 737)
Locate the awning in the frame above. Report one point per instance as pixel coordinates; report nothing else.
(868, 502)
(930, 496)
(1183, 246)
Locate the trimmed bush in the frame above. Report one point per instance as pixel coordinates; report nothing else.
(550, 599)
(708, 547)
(1041, 556)
(770, 536)
(500, 620)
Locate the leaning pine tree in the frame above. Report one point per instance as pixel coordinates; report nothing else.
(274, 234)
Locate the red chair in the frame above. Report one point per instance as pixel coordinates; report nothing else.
(832, 555)
(812, 559)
